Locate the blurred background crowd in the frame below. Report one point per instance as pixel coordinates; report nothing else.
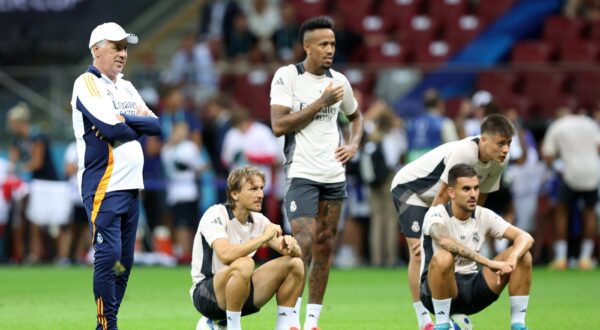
(425, 72)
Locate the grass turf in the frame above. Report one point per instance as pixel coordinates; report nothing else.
(157, 298)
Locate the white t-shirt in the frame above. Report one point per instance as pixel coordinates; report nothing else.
(422, 176)
(575, 139)
(182, 185)
(220, 222)
(471, 233)
(71, 158)
(310, 150)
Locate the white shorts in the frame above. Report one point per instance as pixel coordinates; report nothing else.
(49, 202)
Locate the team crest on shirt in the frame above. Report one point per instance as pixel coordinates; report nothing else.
(293, 206)
(99, 238)
(415, 226)
(476, 238)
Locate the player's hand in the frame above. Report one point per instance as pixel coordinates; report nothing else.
(99, 135)
(288, 244)
(272, 231)
(501, 268)
(332, 95)
(143, 111)
(344, 153)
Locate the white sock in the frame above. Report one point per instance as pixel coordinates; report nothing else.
(560, 249)
(587, 248)
(313, 312)
(422, 314)
(233, 320)
(518, 309)
(442, 310)
(285, 315)
(298, 306)
(500, 245)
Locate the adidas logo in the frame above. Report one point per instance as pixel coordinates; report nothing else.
(441, 313)
(424, 313)
(229, 318)
(283, 314)
(311, 315)
(524, 310)
(279, 82)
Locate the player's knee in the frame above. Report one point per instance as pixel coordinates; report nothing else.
(243, 267)
(526, 260)
(442, 260)
(296, 266)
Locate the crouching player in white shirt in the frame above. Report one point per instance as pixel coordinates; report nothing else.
(225, 284)
(452, 236)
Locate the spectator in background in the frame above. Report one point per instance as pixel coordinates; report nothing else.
(471, 113)
(264, 18)
(380, 158)
(181, 159)
(217, 121)
(78, 240)
(429, 129)
(30, 155)
(192, 68)
(347, 41)
(288, 48)
(242, 41)
(174, 111)
(588, 9)
(575, 139)
(216, 19)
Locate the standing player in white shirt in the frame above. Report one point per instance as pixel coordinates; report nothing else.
(453, 235)
(306, 99)
(225, 283)
(423, 182)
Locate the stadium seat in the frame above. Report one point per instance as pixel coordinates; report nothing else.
(253, 91)
(586, 87)
(306, 9)
(389, 52)
(534, 51)
(462, 30)
(488, 11)
(421, 31)
(498, 81)
(373, 25)
(547, 107)
(447, 11)
(437, 51)
(521, 103)
(595, 31)
(559, 29)
(453, 106)
(399, 12)
(580, 51)
(539, 84)
(360, 79)
(354, 11)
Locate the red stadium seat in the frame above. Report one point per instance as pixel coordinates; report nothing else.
(595, 31)
(580, 51)
(390, 52)
(306, 9)
(586, 87)
(453, 106)
(539, 84)
(535, 51)
(547, 107)
(558, 29)
(354, 11)
(498, 82)
(462, 30)
(374, 25)
(253, 91)
(399, 13)
(446, 11)
(422, 30)
(488, 11)
(521, 103)
(434, 52)
(360, 79)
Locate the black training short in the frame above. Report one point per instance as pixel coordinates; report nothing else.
(473, 294)
(205, 301)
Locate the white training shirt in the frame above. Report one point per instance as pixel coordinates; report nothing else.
(220, 222)
(575, 139)
(422, 176)
(471, 233)
(310, 150)
(119, 167)
(182, 184)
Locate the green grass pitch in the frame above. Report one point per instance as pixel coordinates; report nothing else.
(157, 298)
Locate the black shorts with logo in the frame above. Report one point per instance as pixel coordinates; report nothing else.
(205, 301)
(474, 295)
(303, 196)
(410, 216)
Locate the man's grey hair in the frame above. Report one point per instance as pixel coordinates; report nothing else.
(100, 43)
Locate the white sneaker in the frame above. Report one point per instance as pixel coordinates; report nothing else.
(207, 324)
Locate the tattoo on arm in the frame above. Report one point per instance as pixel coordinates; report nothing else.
(442, 236)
